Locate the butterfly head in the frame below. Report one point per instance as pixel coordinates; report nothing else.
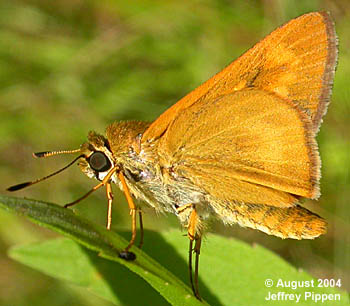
(97, 159)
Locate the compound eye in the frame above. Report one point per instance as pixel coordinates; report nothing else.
(98, 161)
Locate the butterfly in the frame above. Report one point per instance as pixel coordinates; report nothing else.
(240, 148)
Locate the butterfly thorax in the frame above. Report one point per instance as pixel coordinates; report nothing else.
(146, 178)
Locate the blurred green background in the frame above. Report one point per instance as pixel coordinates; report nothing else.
(67, 67)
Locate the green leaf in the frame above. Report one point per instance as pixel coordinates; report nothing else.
(66, 260)
(108, 245)
(231, 272)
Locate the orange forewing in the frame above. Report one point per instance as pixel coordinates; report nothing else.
(296, 61)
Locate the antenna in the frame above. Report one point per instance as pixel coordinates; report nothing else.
(46, 154)
(52, 153)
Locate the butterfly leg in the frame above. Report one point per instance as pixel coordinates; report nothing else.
(194, 236)
(105, 181)
(125, 254)
(197, 248)
(110, 200)
(141, 229)
(132, 213)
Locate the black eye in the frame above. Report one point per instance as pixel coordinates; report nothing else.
(98, 161)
